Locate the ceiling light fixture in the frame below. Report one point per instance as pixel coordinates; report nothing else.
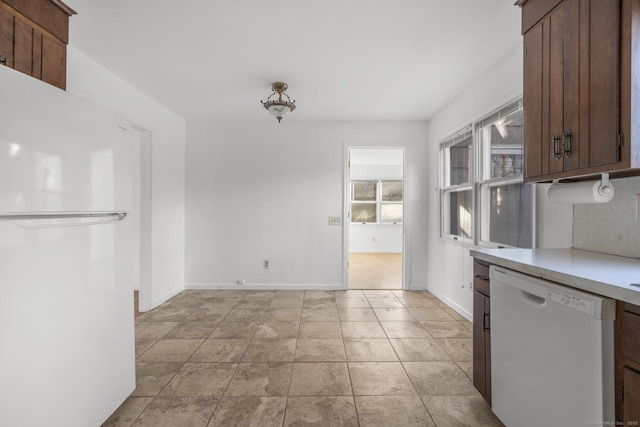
(279, 108)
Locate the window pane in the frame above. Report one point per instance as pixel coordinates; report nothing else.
(364, 190)
(460, 214)
(392, 212)
(510, 215)
(460, 162)
(363, 212)
(391, 191)
(503, 139)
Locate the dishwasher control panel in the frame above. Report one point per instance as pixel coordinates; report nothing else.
(574, 301)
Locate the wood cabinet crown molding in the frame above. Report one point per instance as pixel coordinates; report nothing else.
(65, 8)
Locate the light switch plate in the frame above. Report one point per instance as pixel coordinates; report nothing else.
(334, 220)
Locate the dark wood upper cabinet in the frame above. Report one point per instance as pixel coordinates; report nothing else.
(33, 38)
(579, 88)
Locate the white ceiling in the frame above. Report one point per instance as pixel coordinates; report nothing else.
(343, 59)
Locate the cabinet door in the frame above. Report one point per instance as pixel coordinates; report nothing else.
(22, 47)
(6, 38)
(571, 138)
(487, 351)
(631, 402)
(564, 86)
(552, 92)
(572, 90)
(536, 129)
(54, 57)
(600, 67)
(481, 346)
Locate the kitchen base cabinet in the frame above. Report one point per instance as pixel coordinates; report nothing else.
(631, 398)
(628, 364)
(481, 330)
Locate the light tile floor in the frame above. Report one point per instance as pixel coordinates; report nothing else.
(321, 358)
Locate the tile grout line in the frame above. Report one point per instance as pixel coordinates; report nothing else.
(263, 317)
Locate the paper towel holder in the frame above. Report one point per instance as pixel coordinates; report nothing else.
(604, 189)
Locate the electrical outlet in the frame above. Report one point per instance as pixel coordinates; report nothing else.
(240, 282)
(265, 264)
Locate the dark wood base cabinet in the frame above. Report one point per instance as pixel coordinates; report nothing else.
(481, 330)
(628, 364)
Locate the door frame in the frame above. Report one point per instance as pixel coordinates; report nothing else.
(146, 163)
(346, 207)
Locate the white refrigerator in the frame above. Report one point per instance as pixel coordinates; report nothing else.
(66, 295)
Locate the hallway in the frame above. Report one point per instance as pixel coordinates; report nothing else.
(375, 271)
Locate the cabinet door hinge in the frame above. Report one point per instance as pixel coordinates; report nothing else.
(620, 143)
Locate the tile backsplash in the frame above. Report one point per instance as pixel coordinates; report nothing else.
(610, 227)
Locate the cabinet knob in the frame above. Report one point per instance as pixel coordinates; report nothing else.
(483, 278)
(566, 144)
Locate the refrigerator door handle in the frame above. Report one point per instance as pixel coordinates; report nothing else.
(62, 219)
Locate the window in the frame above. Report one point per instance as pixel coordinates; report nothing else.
(457, 185)
(377, 202)
(489, 206)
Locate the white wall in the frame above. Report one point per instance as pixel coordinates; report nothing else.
(90, 80)
(610, 227)
(375, 238)
(450, 266)
(263, 190)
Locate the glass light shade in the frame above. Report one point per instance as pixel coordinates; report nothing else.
(280, 111)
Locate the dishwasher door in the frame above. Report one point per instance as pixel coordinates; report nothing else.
(552, 353)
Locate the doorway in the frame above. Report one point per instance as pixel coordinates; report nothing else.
(375, 203)
(138, 148)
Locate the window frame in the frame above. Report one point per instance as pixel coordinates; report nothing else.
(446, 188)
(378, 201)
(481, 181)
(365, 202)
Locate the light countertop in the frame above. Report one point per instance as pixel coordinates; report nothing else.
(607, 275)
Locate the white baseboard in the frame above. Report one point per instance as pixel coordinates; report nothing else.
(157, 301)
(464, 313)
(374, 251)
(267, 286)
(417, 287)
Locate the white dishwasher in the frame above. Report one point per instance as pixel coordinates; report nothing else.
(552, 353)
